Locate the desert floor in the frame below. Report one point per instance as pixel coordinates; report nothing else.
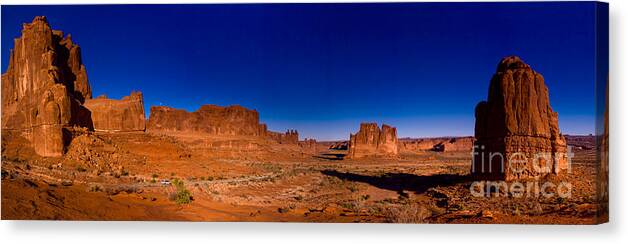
(117, 176)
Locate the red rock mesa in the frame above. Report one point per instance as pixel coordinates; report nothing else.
(210, 119)
(126, 114)
(216, 120)
(373, 141)
(517, 123)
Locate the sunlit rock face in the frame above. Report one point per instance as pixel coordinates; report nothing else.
(44, 87)
(210, 119)
(373, 141)
(112, 115)
(517, 124)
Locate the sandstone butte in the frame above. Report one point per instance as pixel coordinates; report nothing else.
(216, 120)
(517, 123)
(45, 89)
(373, 141)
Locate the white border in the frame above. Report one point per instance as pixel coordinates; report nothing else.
(184, 233)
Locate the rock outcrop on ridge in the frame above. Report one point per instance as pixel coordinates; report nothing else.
(517, 124)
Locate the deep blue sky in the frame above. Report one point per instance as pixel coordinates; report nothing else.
(324, 68)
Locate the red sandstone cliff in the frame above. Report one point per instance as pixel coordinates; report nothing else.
(211, 119)
(44, 87)
(126, 114)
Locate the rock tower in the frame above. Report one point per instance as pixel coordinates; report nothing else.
(516, 129)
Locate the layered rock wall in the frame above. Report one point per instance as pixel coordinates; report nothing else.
(216, 120)
(210, 119)
(124, 115)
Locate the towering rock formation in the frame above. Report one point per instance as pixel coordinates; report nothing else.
(373, 141)
(211, 119)
(126, 114)
(44, 87)
(516, 129)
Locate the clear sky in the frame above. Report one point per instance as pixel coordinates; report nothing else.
(324, 68)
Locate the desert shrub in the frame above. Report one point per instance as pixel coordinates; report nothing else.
(80, 169)
(352, 205)
(182, 195)
(95, 188)
(411, 213)
(352, 187)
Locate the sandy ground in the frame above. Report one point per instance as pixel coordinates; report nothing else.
(118, 177)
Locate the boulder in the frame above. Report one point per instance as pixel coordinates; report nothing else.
(124, 115)
(373, 141)
(516, 130)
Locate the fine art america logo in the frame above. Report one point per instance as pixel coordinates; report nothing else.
(515, 164)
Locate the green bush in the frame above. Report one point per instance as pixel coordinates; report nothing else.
(182, 195)
(80, 169)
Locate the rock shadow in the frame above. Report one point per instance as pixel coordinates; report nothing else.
(401, 182)
(330, 156)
